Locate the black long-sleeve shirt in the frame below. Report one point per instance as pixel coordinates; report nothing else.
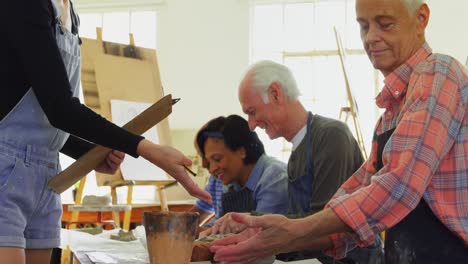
(29, 57)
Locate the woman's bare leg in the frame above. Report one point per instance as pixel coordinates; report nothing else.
(38, 256)
(12, 255)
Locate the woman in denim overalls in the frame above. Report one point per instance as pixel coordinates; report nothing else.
(29, 148)
(30, 213)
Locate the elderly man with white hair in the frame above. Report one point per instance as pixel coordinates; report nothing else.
(414, 184)
(324, 152)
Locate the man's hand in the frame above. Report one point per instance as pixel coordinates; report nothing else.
(111, 163)
(265, 236)
(172, 161)
(225, 225)
(272, 234)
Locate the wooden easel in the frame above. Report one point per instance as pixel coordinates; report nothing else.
(134, 76)
(351, 109)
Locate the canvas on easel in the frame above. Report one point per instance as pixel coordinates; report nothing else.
(135, 169)
(123, 73)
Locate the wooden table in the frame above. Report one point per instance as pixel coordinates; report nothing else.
(137, 212)
(80, 257)
(115, 210)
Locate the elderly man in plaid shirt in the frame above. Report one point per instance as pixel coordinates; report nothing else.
(414, 185)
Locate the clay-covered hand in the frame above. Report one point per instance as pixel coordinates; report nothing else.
(265, 236)
(225, 225)
(111, 163)
(172, 161)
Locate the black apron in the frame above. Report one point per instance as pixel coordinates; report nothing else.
(240, 202)
(299, 191)
(420, 238)
(300, 187)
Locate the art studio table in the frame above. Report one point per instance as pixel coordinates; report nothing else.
(102, 248)
(81, 257)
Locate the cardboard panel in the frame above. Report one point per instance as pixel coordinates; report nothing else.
(107, 74)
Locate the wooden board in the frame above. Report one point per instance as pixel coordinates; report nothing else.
(85, 164)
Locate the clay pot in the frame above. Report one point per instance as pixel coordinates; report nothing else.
(170, 236)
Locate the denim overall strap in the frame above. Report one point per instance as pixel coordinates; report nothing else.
(27, 123)
(69, 47)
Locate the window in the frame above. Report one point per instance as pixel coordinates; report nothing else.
(301, 36)
(116, 28)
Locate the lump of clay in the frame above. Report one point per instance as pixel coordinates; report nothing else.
(90, 230)
(212, 238)
(124, 236)
(96, 200)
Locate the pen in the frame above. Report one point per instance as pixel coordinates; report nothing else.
(175, 183)
(190, 171)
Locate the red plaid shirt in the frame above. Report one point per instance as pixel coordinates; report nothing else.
(425, 100)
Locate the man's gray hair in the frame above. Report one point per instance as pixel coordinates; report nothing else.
(264, 73)
(413, 5)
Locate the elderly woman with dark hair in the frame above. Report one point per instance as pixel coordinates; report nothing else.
(236, 156)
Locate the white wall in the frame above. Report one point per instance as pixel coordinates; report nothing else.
(448, 28)
(203, 51)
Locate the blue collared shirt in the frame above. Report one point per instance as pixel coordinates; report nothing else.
(268, 182)
(216, 188)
